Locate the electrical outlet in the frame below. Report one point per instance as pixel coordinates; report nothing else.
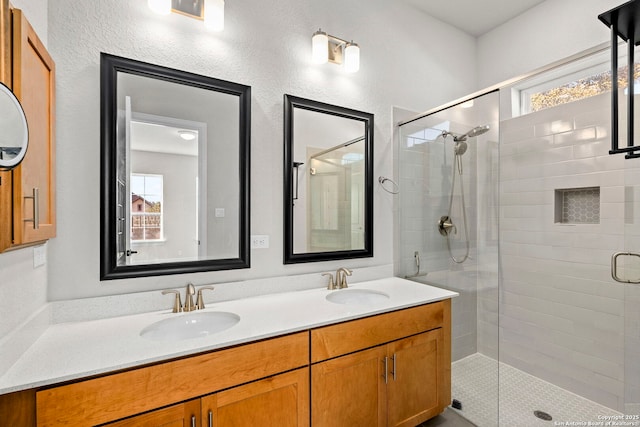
(39, 256)
(219, 212)
(259, 241)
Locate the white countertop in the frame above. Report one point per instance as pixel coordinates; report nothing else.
(69, 351)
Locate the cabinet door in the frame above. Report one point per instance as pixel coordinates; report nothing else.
(181, 415)
(416, 378)
(34, 217)
(281, 400)
(350, 391)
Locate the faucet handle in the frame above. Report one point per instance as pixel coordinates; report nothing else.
(342, 283)
(177, 303)
(200, 300)
(188, 298)
(331, 286)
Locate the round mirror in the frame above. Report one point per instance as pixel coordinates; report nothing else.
(14, 134)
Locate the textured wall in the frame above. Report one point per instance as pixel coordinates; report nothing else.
(267, 46)
(546, 33)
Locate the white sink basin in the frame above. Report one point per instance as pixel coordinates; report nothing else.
(356, 296)
(190, 325)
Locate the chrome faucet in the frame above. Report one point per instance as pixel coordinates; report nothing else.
(341, 277)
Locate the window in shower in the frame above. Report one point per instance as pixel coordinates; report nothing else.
(578, 80)
(577, 205)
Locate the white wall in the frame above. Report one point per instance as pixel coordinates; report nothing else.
(412, 63)
(549, 32)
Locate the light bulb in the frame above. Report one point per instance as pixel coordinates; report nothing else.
(161, 7)
(320, 47)
(351, 58)
(214, 15)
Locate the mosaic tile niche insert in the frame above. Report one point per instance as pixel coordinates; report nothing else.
(577, 205)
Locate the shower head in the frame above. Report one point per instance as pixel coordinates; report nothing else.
(476, 131)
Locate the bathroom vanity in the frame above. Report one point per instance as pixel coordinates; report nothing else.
(293, 359)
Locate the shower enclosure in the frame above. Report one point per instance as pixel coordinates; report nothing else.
(512, 200)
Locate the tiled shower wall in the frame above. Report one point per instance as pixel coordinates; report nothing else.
(562, 316)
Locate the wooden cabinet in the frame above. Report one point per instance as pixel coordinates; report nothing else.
(390, 369)
(414, 377)
(350, 390)
(282, 400)
(113, 397)
(401, 383)
(27, 194)
(181, 415)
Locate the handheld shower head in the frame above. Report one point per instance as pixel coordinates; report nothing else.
(460, 148)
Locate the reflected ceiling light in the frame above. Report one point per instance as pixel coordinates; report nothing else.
(161, 7)
(214, 15)
(328, 48)
(467, 104)
(187, 135)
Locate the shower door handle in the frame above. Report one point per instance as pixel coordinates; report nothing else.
(614, 267)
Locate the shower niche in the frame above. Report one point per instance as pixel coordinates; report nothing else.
(577, 205)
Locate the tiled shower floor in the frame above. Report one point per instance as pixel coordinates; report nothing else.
(474, 383)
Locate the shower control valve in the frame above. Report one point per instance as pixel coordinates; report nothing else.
(445, 225)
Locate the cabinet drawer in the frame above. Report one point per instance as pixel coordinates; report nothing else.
(336, 340)
(120, 395)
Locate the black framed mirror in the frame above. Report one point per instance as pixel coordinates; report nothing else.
(175, 169)
(328, 185)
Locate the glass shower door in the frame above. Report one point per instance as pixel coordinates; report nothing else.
(630, 273)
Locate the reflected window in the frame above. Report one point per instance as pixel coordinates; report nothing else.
(146, 204)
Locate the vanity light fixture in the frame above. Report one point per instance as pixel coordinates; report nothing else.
(328, 48)
(187, 135)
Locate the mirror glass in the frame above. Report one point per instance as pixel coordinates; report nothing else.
(175, 171)
(328, 186)
(14, 137)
